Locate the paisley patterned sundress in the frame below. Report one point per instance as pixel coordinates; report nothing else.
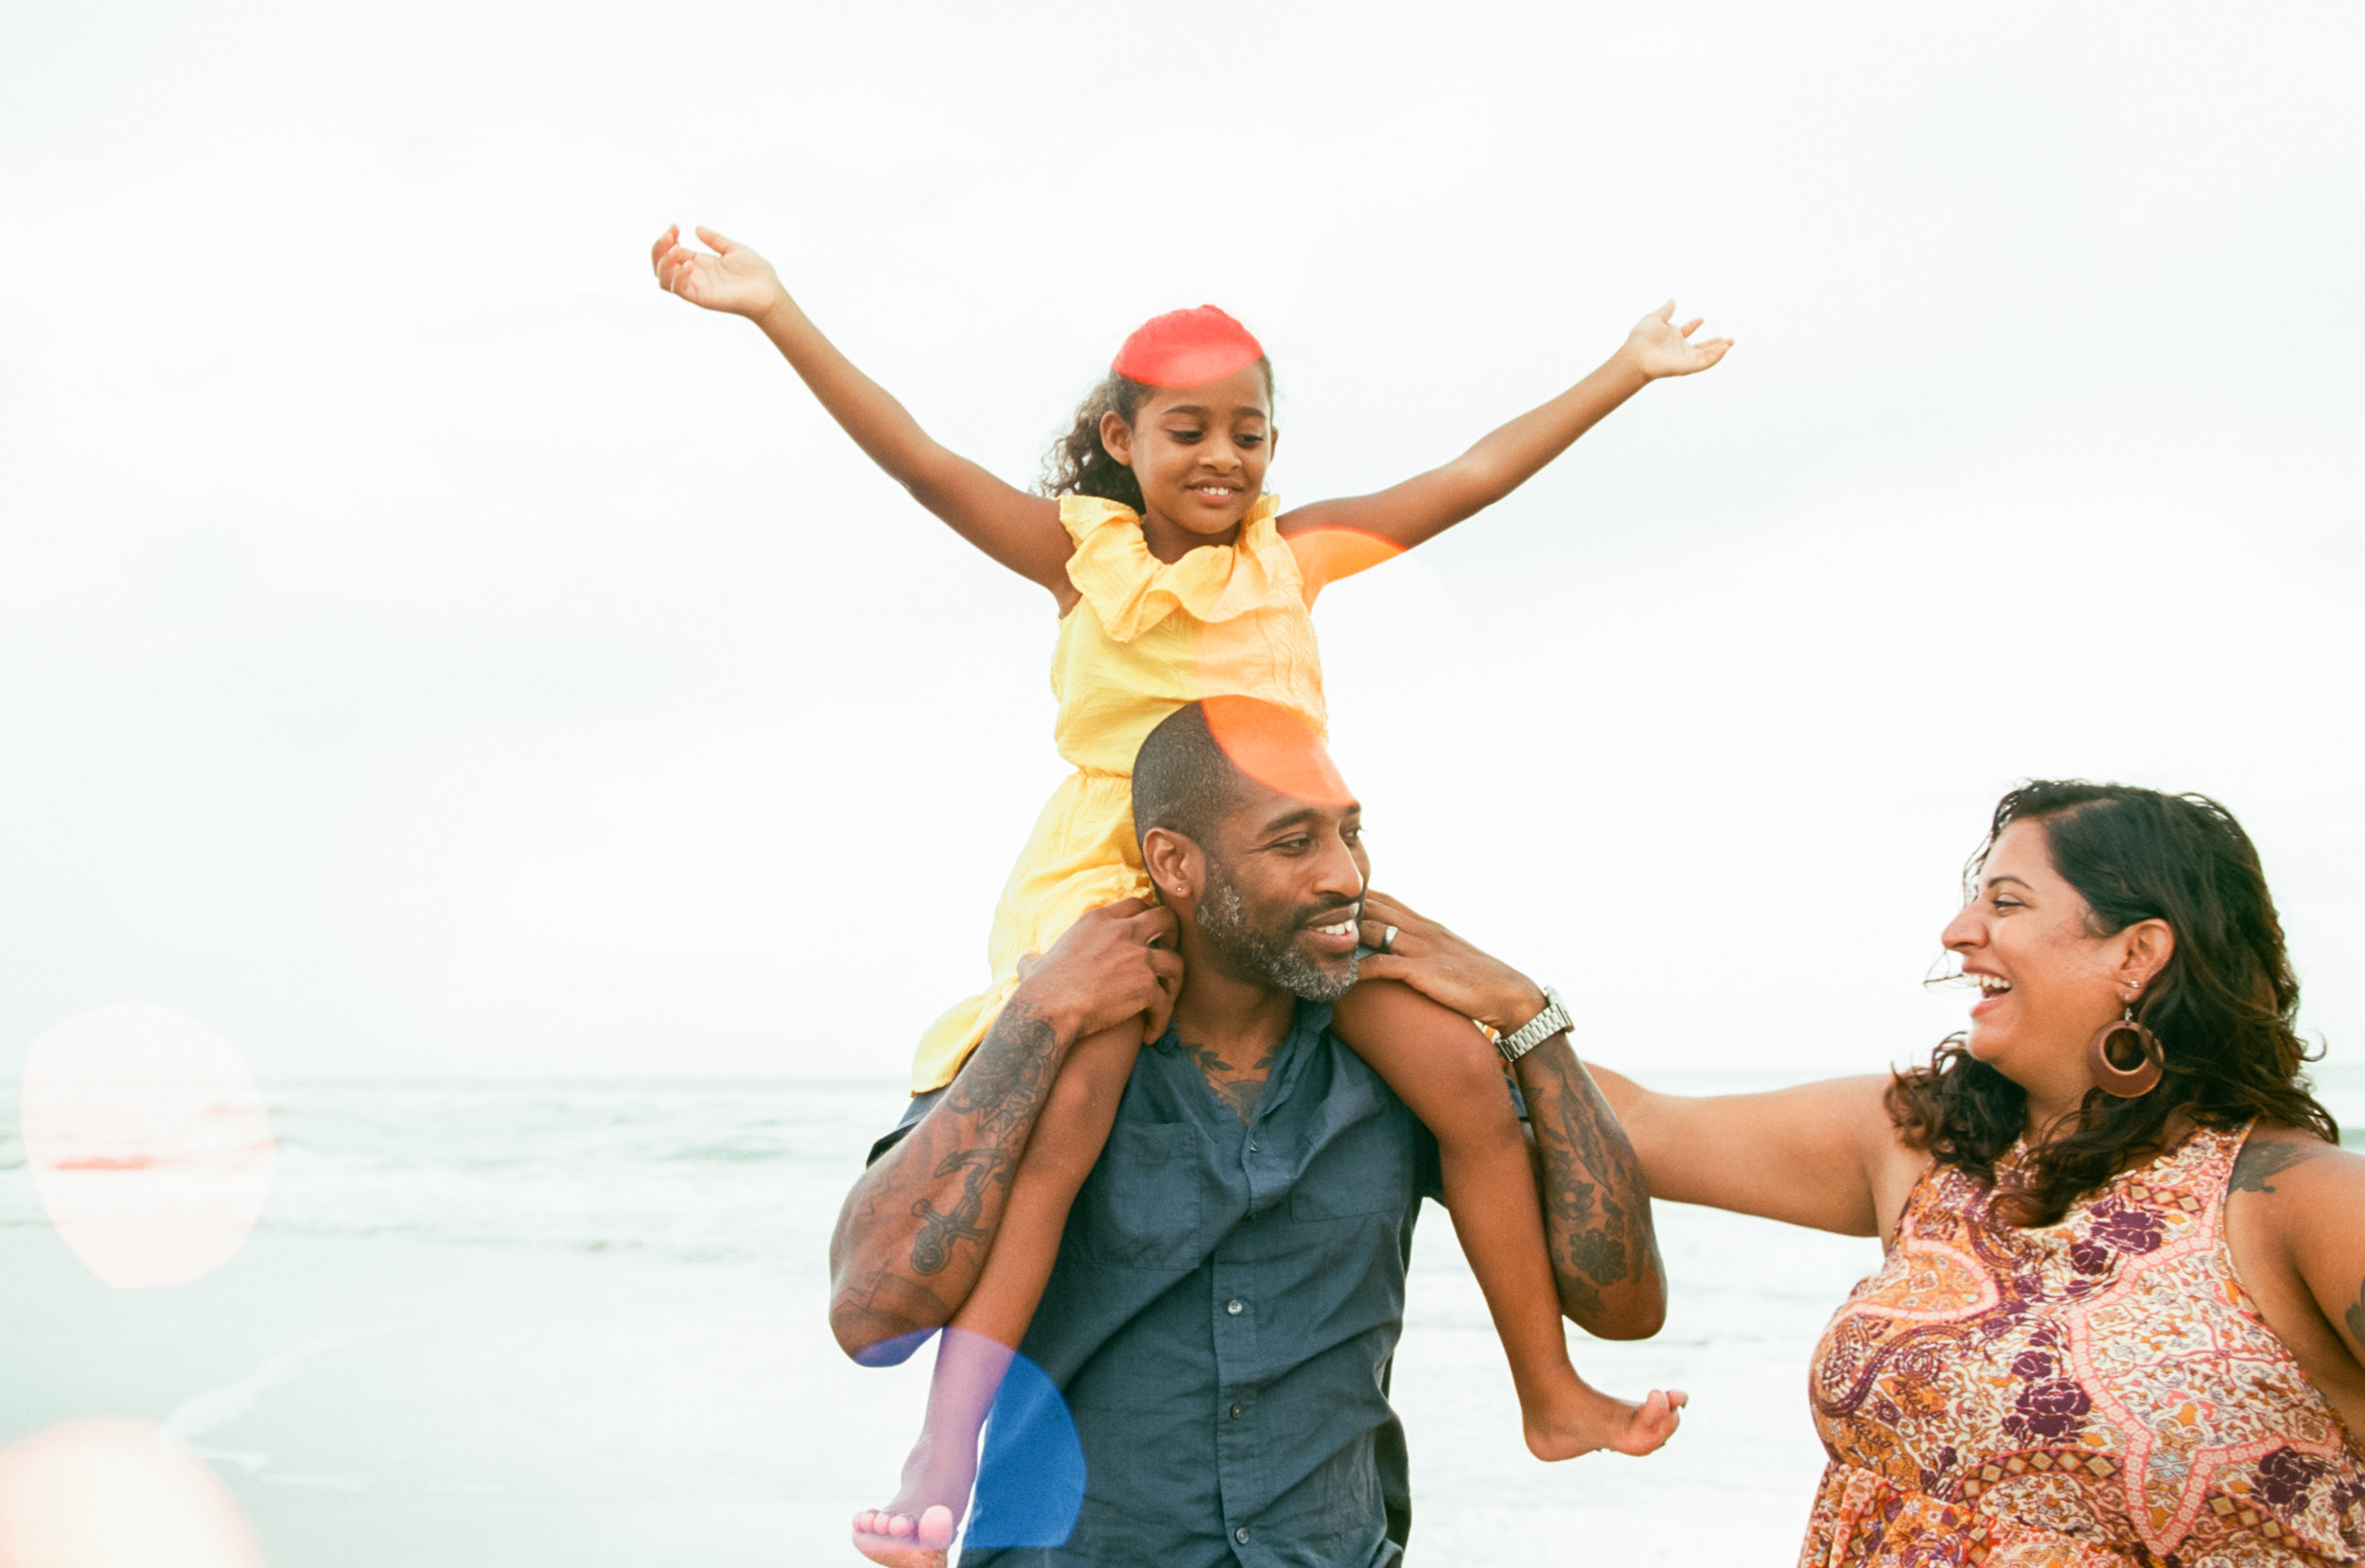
(2100, 1393)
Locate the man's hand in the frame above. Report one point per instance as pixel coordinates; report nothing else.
(917, 1228)
(1658, 347)
(1446, 968)
(1116, 963)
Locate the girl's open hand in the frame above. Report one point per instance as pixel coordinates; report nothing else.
(735, 279)
(1658, 347)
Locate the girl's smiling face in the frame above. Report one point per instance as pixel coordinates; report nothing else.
(1199, 454)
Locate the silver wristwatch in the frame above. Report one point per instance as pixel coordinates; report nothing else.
(1551, 1021)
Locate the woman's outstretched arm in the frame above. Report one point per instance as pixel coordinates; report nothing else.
(1821, 1155)
(1426, 505)
(1020, 531)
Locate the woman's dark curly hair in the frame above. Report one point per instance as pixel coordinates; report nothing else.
(2222, 1006)
(1078, 464)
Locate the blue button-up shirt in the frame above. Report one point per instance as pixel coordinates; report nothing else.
(1222, 1314)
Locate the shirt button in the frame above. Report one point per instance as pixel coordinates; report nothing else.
(1234, 1306)
(1240, 1535)
(1238, 1410)
(1252, 1148)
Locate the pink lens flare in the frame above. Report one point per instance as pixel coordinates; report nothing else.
(148, 1143)
(106, 1493)
(1185, 348)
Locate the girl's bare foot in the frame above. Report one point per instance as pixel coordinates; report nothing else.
(915, 1530)
(1593, 1420)
(900, 1541)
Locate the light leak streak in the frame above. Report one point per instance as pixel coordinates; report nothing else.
(148, 1142)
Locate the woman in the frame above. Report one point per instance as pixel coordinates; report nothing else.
(2122, 1315)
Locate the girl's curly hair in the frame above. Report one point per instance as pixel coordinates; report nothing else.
(1078, 464)
(2222, 1007)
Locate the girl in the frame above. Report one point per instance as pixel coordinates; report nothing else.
(1176, 578)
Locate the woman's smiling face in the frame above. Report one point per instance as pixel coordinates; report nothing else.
(2047, 981)
(1199, 454)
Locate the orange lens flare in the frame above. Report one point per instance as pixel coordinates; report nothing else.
(1280, 745)
(1276, 748)
(1329, 554)
(148, 1142)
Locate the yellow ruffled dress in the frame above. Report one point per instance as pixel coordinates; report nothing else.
(1147, 638)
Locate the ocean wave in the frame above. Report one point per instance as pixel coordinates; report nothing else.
(695, 1173)
(728, 1154)
(722, 1173)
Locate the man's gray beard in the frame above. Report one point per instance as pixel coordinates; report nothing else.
(1274, 956)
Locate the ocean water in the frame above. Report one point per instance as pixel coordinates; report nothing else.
(580, 1324)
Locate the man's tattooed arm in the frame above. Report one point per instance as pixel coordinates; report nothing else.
(1597, 1211)
(916, 1229)
(932, 1249)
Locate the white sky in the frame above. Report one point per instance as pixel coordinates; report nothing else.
(427, 649)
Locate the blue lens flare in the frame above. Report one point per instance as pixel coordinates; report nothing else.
(1030, 1478)
(895, 1351)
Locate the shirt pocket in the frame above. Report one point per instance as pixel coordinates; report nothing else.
(1140, 1206)
(1358, 1159)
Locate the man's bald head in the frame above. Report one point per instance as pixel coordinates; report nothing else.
(1183, 781)
(1248, 829)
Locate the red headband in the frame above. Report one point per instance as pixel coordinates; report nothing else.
(1184, 348)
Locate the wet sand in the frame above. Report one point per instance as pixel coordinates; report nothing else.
(375, 1402)
(487, 1380)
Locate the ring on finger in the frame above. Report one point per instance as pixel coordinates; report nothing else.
(1388, 938)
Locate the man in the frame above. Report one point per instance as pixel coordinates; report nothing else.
(1230, 1289)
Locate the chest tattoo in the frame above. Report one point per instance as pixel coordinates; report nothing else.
(1238, 1087)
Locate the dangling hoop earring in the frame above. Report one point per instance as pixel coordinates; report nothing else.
(2127, 1082)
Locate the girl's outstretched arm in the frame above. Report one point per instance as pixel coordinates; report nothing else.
(1428, 504)
(1021, 531)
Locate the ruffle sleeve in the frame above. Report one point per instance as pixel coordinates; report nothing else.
(1131, 590)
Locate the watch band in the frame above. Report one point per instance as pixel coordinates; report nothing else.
(1551, 1021)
